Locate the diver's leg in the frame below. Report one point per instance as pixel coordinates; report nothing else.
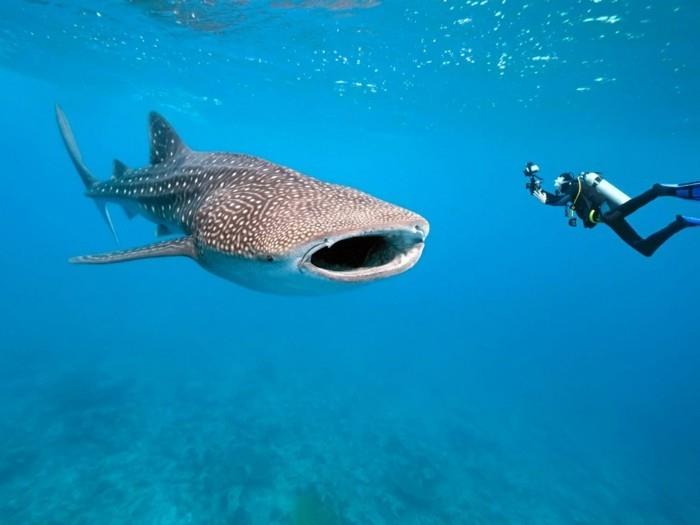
(647, 246)
(632, 205)
(688, 190)
(625, 232)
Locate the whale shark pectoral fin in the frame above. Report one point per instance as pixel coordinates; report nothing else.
(182, 247)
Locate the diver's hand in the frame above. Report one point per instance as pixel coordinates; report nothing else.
(540, 195)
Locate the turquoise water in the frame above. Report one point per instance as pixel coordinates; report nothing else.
(524, 372)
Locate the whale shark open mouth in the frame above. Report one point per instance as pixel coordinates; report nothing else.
(365, 256)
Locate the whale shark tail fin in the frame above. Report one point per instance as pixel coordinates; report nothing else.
(88, 179)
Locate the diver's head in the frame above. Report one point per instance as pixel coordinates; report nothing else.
(566, 184)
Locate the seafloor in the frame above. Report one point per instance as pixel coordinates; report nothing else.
(257, 439)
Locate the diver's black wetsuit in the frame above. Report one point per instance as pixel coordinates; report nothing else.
(586, 209)
(587, 204)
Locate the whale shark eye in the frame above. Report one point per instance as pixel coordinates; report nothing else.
(269, 258)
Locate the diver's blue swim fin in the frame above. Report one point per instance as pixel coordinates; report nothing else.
(690, 221)
(687, 190)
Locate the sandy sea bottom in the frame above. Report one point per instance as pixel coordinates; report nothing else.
(257, 438)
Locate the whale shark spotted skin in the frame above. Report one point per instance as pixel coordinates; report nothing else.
(253, 222)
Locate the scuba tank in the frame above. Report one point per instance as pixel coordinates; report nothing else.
(613, 196)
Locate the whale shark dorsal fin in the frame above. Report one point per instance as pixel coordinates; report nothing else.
(182, 247)
(165, 142)
(119, 169)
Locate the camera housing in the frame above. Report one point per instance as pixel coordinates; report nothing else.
(535, 183)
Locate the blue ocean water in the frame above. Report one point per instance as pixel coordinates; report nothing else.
(524, 372)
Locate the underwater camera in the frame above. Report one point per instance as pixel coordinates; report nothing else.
(535, 183)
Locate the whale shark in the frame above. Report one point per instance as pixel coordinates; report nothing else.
(251, 221)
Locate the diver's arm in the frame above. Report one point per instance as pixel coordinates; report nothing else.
(535, 186)
(550, 199)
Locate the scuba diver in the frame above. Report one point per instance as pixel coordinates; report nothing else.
(596, 201)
